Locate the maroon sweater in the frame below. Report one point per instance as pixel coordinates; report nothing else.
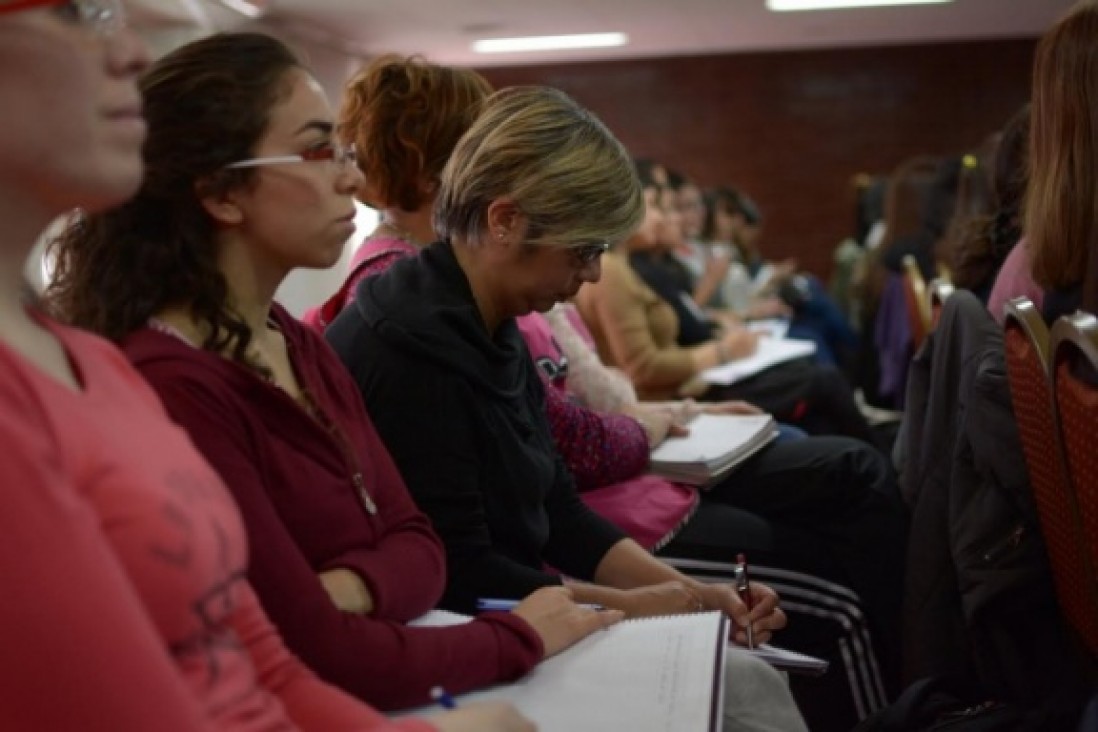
(293, 479)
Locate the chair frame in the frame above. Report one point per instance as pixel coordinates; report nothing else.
(915, 301)
(1078, 333)
(1022, 311)
(938, 291)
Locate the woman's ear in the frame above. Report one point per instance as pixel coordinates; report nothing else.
(428, 188)
(504, 220)
(219, 201)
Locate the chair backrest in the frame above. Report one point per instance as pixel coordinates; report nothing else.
(1074, 372)
(939, 291)
(1026, 341)
(915, 300)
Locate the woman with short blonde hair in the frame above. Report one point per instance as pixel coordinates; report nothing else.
(526, 206)
(572, 180)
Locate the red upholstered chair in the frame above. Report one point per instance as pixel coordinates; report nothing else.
(1027, 355)
(1074, 371)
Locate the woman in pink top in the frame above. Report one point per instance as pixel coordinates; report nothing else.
(1014, 280)
(125, 605)
(410, 115)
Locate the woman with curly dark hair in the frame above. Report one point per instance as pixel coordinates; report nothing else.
(246, 183)
(980, 244)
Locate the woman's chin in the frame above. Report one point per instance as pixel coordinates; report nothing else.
(112, 189)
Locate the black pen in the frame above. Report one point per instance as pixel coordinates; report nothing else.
(743, 589)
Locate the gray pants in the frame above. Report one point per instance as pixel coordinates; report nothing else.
(757, 698)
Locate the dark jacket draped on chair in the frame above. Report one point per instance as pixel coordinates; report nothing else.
(979, 600)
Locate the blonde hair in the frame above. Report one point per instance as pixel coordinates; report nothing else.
(406, 115)
(564, 170)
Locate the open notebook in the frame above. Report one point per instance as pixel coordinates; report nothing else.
(662, 674)
(770, 352)
(717, 443)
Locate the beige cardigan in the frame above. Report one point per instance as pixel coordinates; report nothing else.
(635, 330)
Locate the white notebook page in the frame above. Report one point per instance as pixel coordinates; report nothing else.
(651, 675)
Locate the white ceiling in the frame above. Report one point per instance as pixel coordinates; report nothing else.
(444, 29)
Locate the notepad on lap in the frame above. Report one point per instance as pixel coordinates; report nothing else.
(770, 352)
(791, 661)
(717, 443)
(661, 674)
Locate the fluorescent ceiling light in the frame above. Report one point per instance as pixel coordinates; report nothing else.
(550, 43)
(781, 6)
(250, 8)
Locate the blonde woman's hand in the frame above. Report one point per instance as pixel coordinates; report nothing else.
(667, 598)
(559, 621)
(765, 616)
(483, 717)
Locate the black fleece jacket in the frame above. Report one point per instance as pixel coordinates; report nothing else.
(463, 414)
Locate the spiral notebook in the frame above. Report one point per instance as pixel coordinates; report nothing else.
(715, 445)
(662, 674)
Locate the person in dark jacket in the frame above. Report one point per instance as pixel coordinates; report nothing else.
(977, 568)
(435, 349)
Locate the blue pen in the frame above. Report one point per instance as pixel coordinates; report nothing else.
(490, 603)
(443, 698)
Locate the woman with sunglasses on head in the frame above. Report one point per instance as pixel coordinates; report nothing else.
(239, 133)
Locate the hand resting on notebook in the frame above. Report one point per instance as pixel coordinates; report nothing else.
(661, 420)
(559, 621)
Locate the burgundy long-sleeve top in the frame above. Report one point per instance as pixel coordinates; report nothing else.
(305, 487)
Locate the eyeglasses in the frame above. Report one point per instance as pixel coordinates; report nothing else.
(343, 157)
(104, 17)
(584, 254)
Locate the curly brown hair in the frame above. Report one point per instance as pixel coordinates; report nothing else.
(207, 105)
(981, 242)
(407, 115)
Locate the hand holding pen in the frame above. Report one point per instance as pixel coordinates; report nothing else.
(752, 606)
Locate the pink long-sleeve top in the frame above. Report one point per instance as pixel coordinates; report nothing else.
(373, 256)
(318, 492)
(125, 605)
(607, 454)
